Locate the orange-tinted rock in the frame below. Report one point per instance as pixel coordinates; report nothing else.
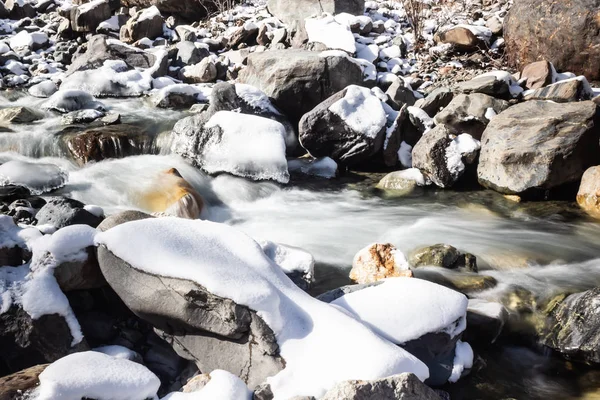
(538, 74)
(173, 196)
(588, 196)
(379, 261)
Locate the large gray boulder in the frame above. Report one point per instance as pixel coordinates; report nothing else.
(325, 133)
(398, 387)
(214, 332)
(147, 23)
(298, 80)
(565, 33)
(572, 327)
(470, 113)
(539, 145)
(293, 12)
(61, 212)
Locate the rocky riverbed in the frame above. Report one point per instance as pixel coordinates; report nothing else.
(339, 199)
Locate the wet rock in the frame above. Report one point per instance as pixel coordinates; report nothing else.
(298, 80)
(378, 261)
(87, 17)
(401, 182)
(65, 101)
(567, 35)
(588, 196)
(468, 113)
(539, 145)
(146, 23)
(19, 115)
(81, 117)
(538, 74)
(571, 328)
(442, 255)
(14, 385)
(10, 193)
(114, 141)
(485, 322)
(404, 386)
(325, 133)
(60, 212)
(171, 195)
(400, 95)
(563, 92)
(460, 281)
(212, 331)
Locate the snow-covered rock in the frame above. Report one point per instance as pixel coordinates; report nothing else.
(43, 89)
(322, 167)
(298, 265)
(37, 177)
(331, 33)
(239, 144)
(310, 334)
(65, 101)
(221, 385)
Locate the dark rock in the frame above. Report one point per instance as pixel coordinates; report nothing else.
(18, 10)
(298, 80)
(80, 275)
(188, 53)
(489, 85)
(86, 18)
(485, 322)
(571, 328)
(61, 212)
(10, 193)
(435, 101)
(325, 134)
(400, 95)
(539, 145)
(186, 9)
(394, 138)
(429, 156)
(564, 33)
(113, 141)
(468, 113)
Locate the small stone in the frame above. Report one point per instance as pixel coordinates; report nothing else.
(378, 261)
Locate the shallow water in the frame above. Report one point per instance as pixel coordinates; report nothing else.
(545, 248)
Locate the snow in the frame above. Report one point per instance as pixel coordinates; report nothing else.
(368, 53)
(200, 92)
(95, 210)
(481, 32)
(25, 39)
(255, 98)
(418, 114)
(361, 110)
(111, 24)
(149, 13)
(454, 161)
(15, 67)
(36, 176)
(413, 174)
(463, 359)
(513, 85)
(118, 352)
(466, 144)
(11, 235)
(404, 309)
(331, 33)
(223, 385)
(108, 82)
(43, 89)
(490, 113)
(98, 376)
(250, 146)
(84, 8)
(162, 82)
(289, 258)
(323, 167)
(312, 335)
(4, 48)
(405, 155)
(65, 101)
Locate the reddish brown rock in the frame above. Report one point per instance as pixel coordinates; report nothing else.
(538, 74)
(378, 261)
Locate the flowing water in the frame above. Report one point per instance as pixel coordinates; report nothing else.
(545, 248)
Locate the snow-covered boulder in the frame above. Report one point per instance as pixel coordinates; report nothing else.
(442, 158)
(298, 80)
(349, 126)
(378, 261)
(240, 144)
(294, 12)
(329, 32)
(25, 40)
(60, 212)
(218, 384)
(296, 338)
(470, 113)
(43, 89)
(146, 23)
(65, 101)
(424, 318)
(95, 375)
(179, 95)
(37, 177)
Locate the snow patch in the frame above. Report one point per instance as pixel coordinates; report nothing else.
(331, 33)
(361, 110)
